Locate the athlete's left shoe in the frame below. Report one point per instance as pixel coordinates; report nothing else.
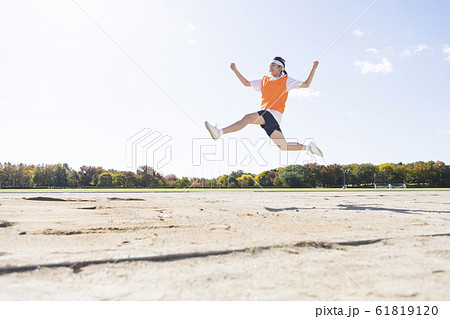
(312, 147)
(213, 130)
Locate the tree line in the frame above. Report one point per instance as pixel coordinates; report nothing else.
(418, 174)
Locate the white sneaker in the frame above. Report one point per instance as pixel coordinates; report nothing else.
(314, 149)
(213, 130)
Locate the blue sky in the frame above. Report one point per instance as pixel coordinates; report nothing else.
(68, 93)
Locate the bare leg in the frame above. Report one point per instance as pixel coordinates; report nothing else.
(251, 118)
(281, 142)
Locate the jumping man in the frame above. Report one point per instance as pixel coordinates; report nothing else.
(274, 91)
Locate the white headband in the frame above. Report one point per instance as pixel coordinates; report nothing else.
(278, 63)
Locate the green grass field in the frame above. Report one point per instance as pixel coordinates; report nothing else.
(169, 190)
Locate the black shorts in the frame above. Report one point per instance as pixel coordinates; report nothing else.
(271, 124)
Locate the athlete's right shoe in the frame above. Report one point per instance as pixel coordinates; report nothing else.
(213, 130)
(312, 147)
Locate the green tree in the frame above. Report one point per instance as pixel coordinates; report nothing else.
(331, 176)
(310, 174)
(232, 179)
(392, 173)
(171, 180)
(23, 176)
(119, 180)
(89, 175)
(277, 181)
(222, 181)
(266, 178)
(421, 172)
(351, 177)
(7, 177)
(16, 176)
(44, 175)
(400, 172)
(146, 176)
(228, 180)
(245, 180)
(440, 174)
(132, 180)
(364, 173)
(74, 179)
(291, 179)
(183, 182)
(61, 175)
(159, 179)
(105, 180)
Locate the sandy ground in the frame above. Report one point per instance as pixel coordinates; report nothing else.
(345, 245)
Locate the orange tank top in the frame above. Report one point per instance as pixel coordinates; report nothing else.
(274, 93)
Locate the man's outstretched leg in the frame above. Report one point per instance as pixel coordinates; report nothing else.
(251, 118)
(278, 138)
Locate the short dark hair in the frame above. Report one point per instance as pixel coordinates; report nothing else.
(280, 59)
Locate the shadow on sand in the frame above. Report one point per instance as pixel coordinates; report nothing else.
(394, 210)
(77, 266)
(363, 207)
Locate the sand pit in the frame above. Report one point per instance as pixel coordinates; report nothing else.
(219, 245)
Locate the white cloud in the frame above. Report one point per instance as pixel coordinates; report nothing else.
(446, 51)
(422, 47)
(366, 67)
(305, 94)
(372, 50)
(406, 53)
(415, 49)
(350, 114)
(187, 25)
(358, 33)
(187, 28)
